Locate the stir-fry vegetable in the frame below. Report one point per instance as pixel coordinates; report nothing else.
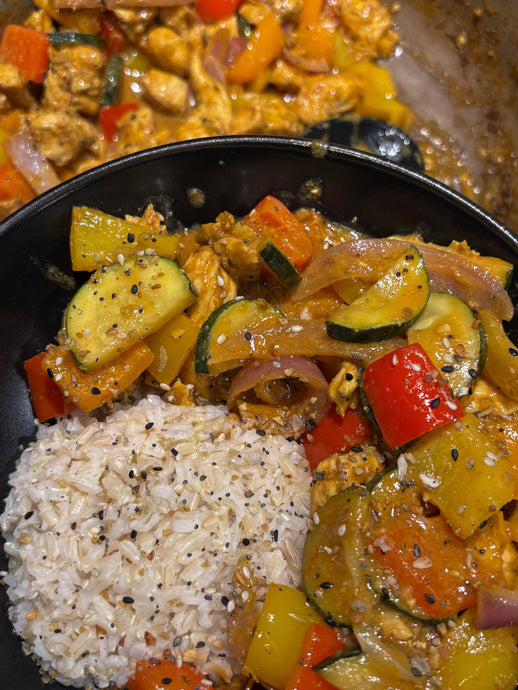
(26, 49)
(410, 561)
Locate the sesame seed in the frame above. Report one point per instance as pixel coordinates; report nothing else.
(422, 563)
(415, 367)
(316, 519)
(394, 360)
(221, 338)
(341, 530)
(450, 404)
(435, 403)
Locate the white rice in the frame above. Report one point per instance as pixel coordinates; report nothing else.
(100, 511)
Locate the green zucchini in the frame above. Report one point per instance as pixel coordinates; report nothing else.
(332, 574)
(453, 338)
(389, 307)
(112, 81)
(123, 303)
(280, 265)
(59, 39)
(211, 351)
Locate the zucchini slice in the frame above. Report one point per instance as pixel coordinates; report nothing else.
(211, 353)
(389, 307)
(280, 265)
(453, 338)
(59, 39)
(332, 574)
(123, 303)
(414, 560)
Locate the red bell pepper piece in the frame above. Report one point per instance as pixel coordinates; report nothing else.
(320, 642)
(165, 675)
(407, 395)
(114, 40)
(47, 397)
(271, 219)
(215, 10)
(27, 49)
(336, 434)
(109, 118)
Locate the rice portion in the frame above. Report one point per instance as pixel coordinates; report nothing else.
(123, 536)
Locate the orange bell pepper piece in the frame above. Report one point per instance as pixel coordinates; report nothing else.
(316, 32)
(90, 390)
(26, 49)
(165, 675)
(271, 219)
(265, 45)
(13, 184)
(47, 397)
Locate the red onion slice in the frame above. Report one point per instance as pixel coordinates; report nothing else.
(497, 608)
(30, 162)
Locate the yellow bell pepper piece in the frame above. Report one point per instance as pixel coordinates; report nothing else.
(97, 239)
(479, 659)
(502, 356)
(278, 636)
(90, 390)
(378, 95)
(171, 346)
(315, 32)
(265, 45)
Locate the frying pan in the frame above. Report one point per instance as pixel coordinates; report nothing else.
(457, 67)
(229, 173)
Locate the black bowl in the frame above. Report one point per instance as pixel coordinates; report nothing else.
(232, 174)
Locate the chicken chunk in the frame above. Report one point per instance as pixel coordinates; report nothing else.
(343, 385)
(169, 50)
(134, 21)
(369, 25)
(15, 88)
(75, 80)
(151, 219)
(213, 112)
(61, 136)
(343, 470)
(210, 280)
(324, 97)
(137, 131)
(166, 90)
(265, 114)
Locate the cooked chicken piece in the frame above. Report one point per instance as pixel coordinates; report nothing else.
(137, 132)
(265, 114)
(213, 113)
(343, 470)
(75, 80)
(343, 386)
(166, 90)
(208, 233)
(181, 18)
(181, 394)
(369, 25)
(210, 280)
(40, 21)
(169, 50)
(61, 136)
(286, 77)
(85, 21)
(151, 219)
(134, 21)
(15, 88)
(324, 97)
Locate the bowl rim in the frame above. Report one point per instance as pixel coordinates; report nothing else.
(298, 145)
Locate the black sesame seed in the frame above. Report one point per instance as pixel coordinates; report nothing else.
(50, 373)
(148, 426)
(131, 237)
(95, 391)
(200, 644)
(249, 494)
(260, 432)
(224, 600)
(134, 289)
(455, 454)
(417, 550)
(356, 449)
(447, 369)
(435, 402)
(128, 600)
(472, 373)
(246, 541)
(28, 514)
(133, 534)
(429, 598)
(174, 451)
(325, 585)
(166, 681)
(248, 336)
